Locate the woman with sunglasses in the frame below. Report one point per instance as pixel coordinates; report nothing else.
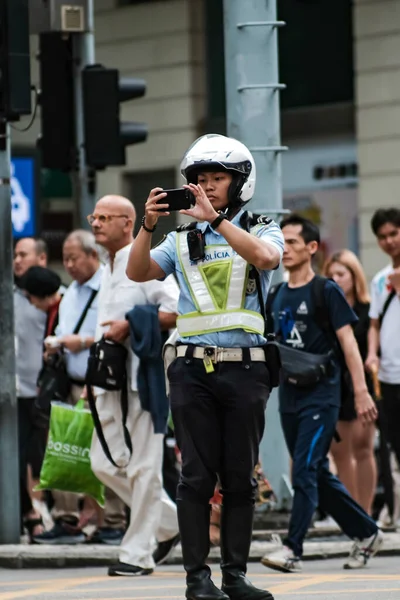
(354, 454)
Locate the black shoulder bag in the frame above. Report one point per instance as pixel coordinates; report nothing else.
(107, 370)
(53, 380)
(299, 368)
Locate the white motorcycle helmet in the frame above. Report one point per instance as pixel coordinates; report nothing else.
(217, 152)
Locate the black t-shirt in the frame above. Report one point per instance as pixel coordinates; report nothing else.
(293, 312)
(361, 327)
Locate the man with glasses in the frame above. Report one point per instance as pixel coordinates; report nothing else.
(153, 514)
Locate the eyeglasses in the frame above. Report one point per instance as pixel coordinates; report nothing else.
(103, 218)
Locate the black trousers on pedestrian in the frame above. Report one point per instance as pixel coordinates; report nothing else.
(391, 408)
(219, 422)
(32, 446)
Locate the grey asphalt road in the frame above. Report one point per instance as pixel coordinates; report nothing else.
(322, 580)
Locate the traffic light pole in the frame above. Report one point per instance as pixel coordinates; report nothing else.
(84, 178)
(252, 95)
(9, 463)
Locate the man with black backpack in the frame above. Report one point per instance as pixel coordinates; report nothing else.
(312, 321)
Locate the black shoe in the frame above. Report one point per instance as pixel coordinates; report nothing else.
(164, 549)
(238, 587)
(106, 535)
(61, 533)
(194, 527)
(236, 533)
(201, 587)
(128, 570)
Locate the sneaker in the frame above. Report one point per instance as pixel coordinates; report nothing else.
(283, 560)
(106, 535)
(362, 551)
(165, 549)
(327, 523)
(61, 533)
(129, 570)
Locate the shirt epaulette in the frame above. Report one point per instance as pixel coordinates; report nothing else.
(248, 220)
(187, 226)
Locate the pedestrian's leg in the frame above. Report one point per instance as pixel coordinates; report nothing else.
(366, 470)
(391, 407)
(344, 458)
(114, 511)
(349, 515)
(336, 501)
(314, 435)
(198, 432)
(168, 525)
(243, 394)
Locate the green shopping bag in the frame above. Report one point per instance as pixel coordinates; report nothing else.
(66, 464)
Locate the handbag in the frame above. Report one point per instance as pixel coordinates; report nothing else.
(107, 370)
(53, 381)
(304, 369)
(66, 465)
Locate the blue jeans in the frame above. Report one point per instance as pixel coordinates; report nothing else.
(308, 434)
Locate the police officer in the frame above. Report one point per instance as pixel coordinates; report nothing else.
(219, 382)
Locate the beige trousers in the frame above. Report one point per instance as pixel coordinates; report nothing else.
(139, 485)
(66, 504)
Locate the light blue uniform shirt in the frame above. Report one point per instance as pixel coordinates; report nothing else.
(166, 257)
(71, 308)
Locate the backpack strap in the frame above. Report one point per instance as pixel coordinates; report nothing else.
(99, 429)
(322, 314)
(272, 294)
(386, 306)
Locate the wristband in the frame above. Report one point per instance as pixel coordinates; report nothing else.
(147, 228)
(83, 343)
(217, 222)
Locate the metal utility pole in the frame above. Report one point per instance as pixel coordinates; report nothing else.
(84, 178)
(9, 464)
(252, 95)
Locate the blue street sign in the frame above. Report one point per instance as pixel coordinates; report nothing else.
(23, 196)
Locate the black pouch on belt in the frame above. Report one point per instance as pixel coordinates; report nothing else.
(273, 360)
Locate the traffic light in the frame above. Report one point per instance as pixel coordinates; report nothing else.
(105, 135)
(57, 140)
(15, 79)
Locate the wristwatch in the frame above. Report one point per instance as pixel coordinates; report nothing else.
(83, 343)
(217, 222)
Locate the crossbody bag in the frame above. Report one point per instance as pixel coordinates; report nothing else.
(107, 370)
(53, 380)
(299, 368)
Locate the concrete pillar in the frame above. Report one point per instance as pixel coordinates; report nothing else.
(377, 91)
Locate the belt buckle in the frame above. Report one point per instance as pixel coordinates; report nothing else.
(212, 353)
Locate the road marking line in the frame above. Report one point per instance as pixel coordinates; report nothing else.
(307, 582)
(52, 586)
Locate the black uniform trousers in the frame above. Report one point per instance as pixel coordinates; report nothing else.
(219, 422)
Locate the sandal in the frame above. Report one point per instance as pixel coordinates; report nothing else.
(30, 525)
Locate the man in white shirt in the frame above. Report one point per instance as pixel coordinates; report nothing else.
(75, 333)
(153, 514)
(383, 336)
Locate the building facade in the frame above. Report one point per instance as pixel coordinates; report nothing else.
(340, 113)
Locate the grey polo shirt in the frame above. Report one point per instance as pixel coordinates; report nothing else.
(30, 325)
